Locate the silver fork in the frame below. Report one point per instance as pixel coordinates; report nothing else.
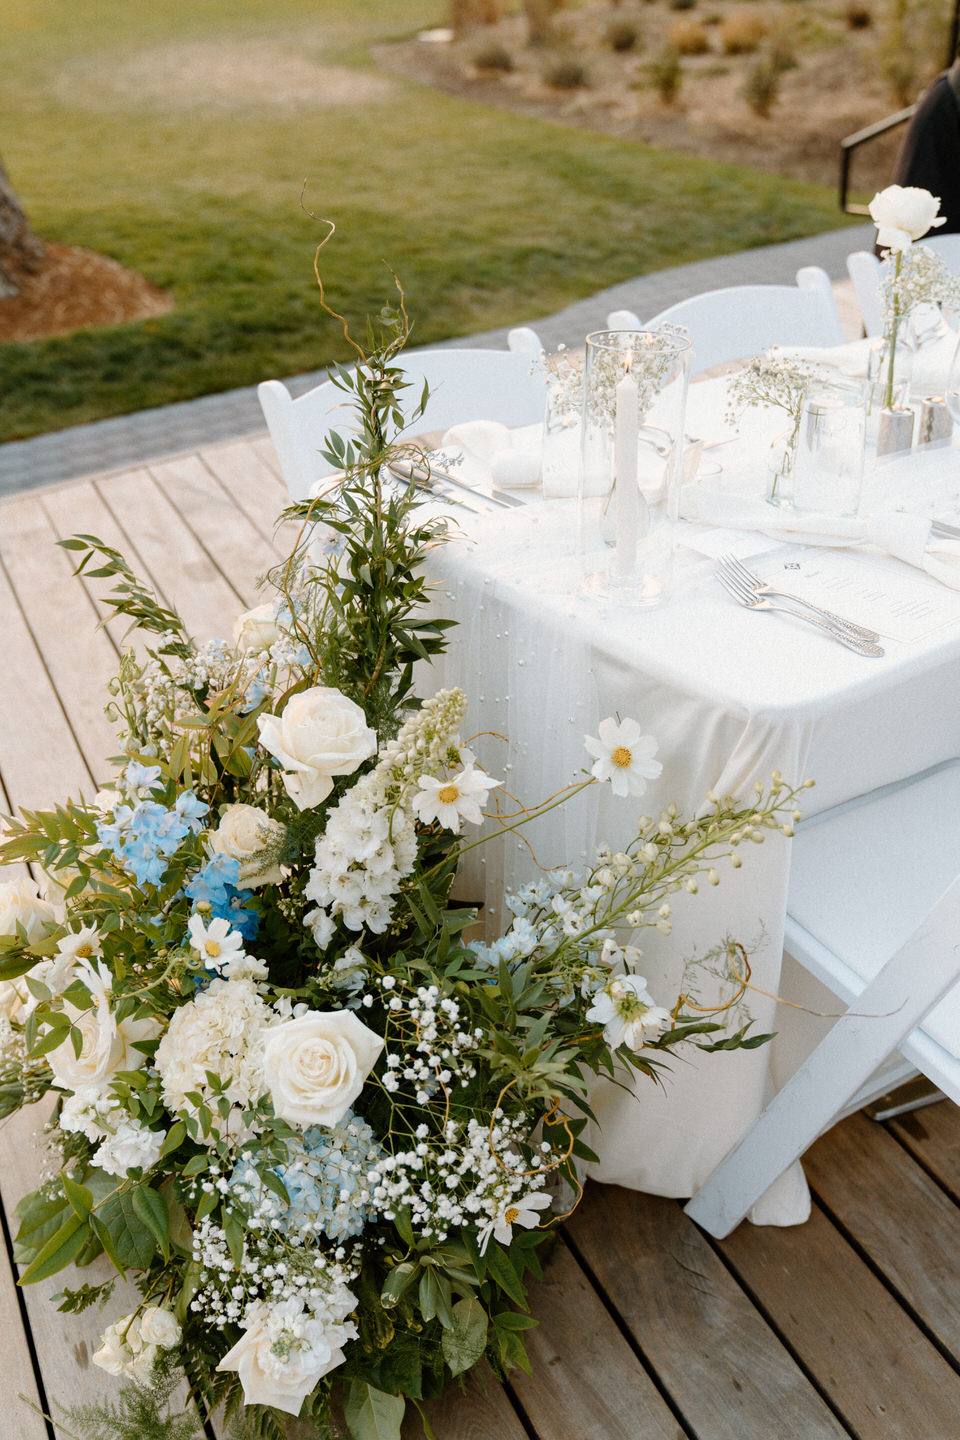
(747, 597)
(738, 571)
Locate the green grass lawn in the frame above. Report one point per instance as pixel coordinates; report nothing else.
(120, 133)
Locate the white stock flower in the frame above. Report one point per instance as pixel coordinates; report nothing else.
(624, 756)
(319, 735)
(903, 214)
(257, 629)
(105, 1045)
(221, 1030)
(314, 1067)
(131, 1146)
(284, 1352)
(159, 1327)
(450, 801)
(20, 903)
(215, 942)
(245, 834)
(524, 1211)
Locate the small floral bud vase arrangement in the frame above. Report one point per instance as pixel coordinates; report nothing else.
(914, 278)
(776, 382)
(316, 1128)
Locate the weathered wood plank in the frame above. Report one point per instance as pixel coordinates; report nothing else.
(230, 539)
(932, 1136)
(79, 509)
(262, 447)
(583, 1367)
(41, 759)
(254, 487)
(726, 1372)
(875, 1366)
(17, 1378)
(80, 659)
(481, 1412)
(193, 584)
(913, 1236)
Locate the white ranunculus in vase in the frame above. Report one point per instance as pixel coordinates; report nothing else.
(319, 735)
(902, 214)
(315, 1066)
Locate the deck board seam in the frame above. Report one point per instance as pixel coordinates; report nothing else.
(6, 1238)
(628, 1335)
(916, 1156)
(185, 522)
(34, 640)
(255, 520)
(770, 1320)
(888, 1283)
(141, 568)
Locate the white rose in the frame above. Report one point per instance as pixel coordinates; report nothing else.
(20, 902)
(243, 834)
(15, 999)
(257, 629)
(314, 1067)
(283, 1354)
(105, 1047)
(159, 1327)
(902, 214)
(113, 1355)
(320, 734)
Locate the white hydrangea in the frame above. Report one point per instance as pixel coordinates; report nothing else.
(220, 1030)
(370, 843)
(131, 1145)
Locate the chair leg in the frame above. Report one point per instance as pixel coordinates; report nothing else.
(908, 986)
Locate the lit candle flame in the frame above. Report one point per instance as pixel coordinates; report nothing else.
(628, 362)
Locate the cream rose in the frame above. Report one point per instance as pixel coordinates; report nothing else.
(315, 1066)
(284, 1352)
(257, 629)
(245, 834)
(20, 902)
(159, 1327)
(903, 214)
(320, 734)
(105, 1045)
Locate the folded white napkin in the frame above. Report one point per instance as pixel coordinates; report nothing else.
(931, 362)
(906, 537)
(509, 459)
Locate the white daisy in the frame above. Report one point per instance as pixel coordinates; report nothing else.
(624, 756)
(627, 1013)
(216, 943)
(522, 1211)
(450, 801)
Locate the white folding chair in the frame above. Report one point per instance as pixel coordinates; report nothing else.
(742, 320)
(502, 385)
(947, 247)
(863, 267)
(874, 914)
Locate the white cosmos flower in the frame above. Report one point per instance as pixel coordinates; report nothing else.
(624, 756)
(522, 1211)
(217, 944)
(627, 1013)
(450, 801)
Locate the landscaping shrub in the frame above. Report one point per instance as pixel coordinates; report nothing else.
(761, 84)
(622, 35)
(741, 32)
(494, 56)
(666, 73)
(566, 74)
(689, 37)
(682, 4)
(858, 15)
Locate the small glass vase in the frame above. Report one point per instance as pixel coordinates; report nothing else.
(634, 399)
(780, 466)
(888, 384)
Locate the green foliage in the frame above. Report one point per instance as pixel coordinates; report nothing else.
(666, 73)
(138, 1413)
(371, 1414)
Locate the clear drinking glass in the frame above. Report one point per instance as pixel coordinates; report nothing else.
(634, 400)
(828, 465)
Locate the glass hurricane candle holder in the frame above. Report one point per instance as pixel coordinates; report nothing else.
(634, 403)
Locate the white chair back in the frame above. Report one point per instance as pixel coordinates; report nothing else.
(874, 914)
(947, 247)
(522, 338)
(623, 320)
(863, 267)
(742, 320)
(464, 385)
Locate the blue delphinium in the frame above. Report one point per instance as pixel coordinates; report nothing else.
(144, 836)
(325, 1179)
(216, 885)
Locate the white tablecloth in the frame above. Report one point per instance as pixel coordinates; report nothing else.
(731, 696)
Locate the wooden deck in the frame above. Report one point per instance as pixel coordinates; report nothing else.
(847, 1326)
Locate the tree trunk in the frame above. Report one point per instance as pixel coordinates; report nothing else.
(20, 250)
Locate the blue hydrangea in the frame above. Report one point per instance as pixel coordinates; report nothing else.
(213, 882)
(325, 1179)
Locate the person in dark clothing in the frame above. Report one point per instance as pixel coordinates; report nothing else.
(929, 156)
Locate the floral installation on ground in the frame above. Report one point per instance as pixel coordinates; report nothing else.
(317, 1128)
